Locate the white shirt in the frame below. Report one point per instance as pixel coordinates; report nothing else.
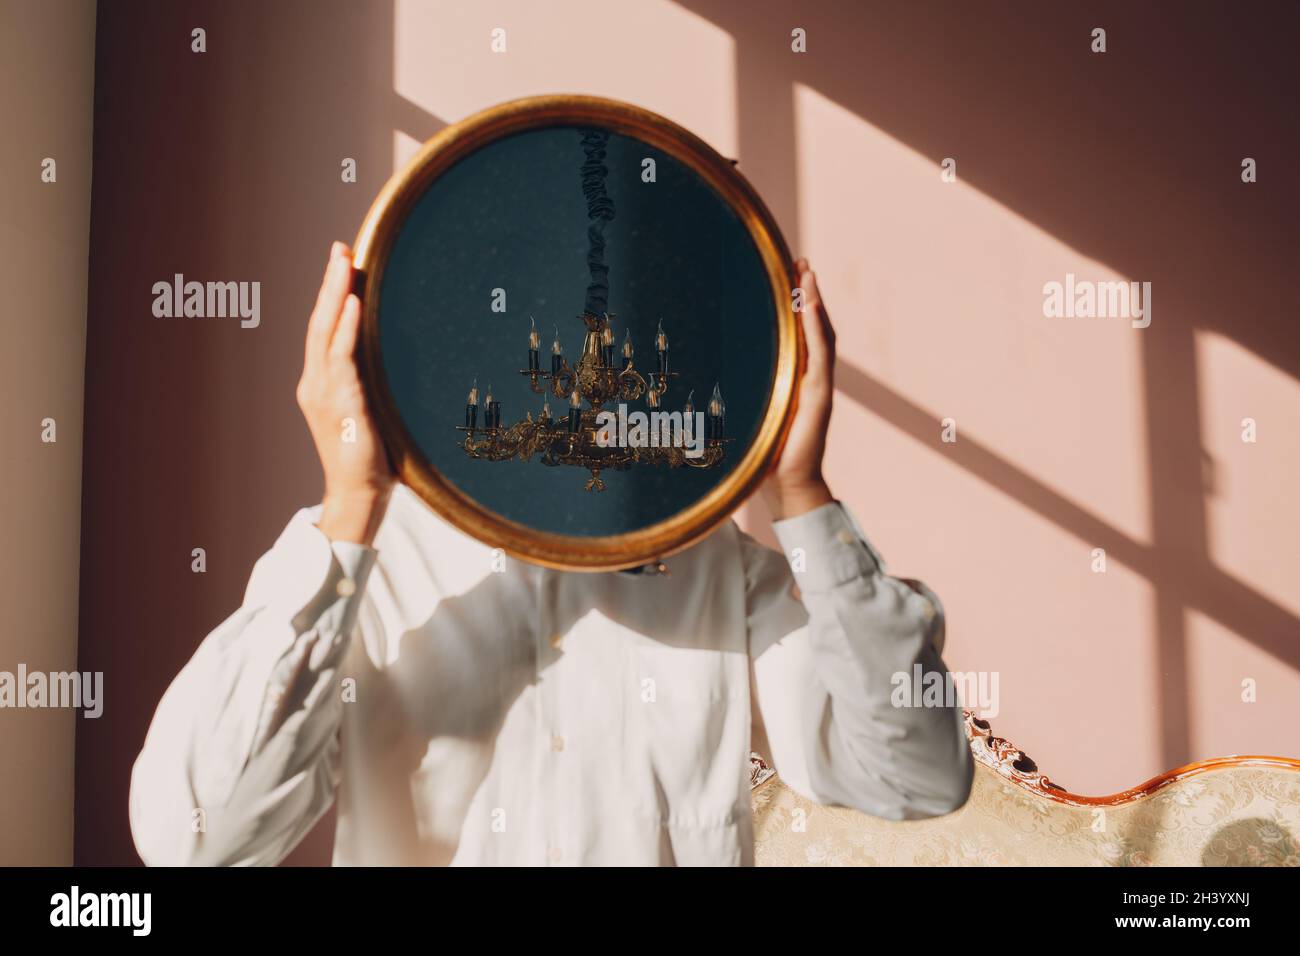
(527, 716)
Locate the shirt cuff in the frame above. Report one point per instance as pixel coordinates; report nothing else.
(826, 548)
(305, 573)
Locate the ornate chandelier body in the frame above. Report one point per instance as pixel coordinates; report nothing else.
(584, 438)
(580, 438)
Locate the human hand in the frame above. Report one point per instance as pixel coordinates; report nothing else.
(796, 484)
(358, 477)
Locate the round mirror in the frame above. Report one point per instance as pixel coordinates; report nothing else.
(579, 339)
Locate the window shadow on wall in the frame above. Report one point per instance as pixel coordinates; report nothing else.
(1133, 159)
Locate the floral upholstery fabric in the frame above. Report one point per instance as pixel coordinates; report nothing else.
(1229, 816)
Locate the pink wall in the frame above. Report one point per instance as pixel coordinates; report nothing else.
(1072, 434)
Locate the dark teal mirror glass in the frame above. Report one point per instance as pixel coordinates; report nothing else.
(516, 237)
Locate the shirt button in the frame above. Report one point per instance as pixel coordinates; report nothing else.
(557, 743)
(554, 854)
(346, 587)
(557, 641)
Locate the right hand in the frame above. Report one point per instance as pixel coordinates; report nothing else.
(358, 477)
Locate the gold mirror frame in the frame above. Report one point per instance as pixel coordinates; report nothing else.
(570, 552)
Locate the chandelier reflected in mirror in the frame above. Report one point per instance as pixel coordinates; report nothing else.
(592, 436)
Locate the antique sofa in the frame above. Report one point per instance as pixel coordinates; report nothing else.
(1230, 811)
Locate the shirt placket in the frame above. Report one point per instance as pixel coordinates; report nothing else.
(549, 731)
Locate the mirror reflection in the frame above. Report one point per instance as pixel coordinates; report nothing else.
(577, 331)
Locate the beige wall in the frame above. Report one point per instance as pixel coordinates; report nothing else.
(46, 91)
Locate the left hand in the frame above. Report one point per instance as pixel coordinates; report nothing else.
(796, 484)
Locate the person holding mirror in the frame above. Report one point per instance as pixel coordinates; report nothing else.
(463, 712)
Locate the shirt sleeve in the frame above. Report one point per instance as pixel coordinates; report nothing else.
(825, 679)
(242, 755)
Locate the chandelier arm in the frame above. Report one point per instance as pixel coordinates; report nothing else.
(631, 386)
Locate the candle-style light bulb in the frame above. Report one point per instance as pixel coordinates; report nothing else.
(652, 396)
(627, 348)
(689, 407)
(555, 346)
(717, 413)
(661, 347)
(557, 353)
(534, 346)
(607, 341)
(575, 411)
(471, 407)
(490, 409)
(546, 408)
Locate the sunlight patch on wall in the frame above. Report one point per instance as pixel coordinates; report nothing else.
(1241, 701)
(1249, 410)
(404, 147)
(938, 292)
